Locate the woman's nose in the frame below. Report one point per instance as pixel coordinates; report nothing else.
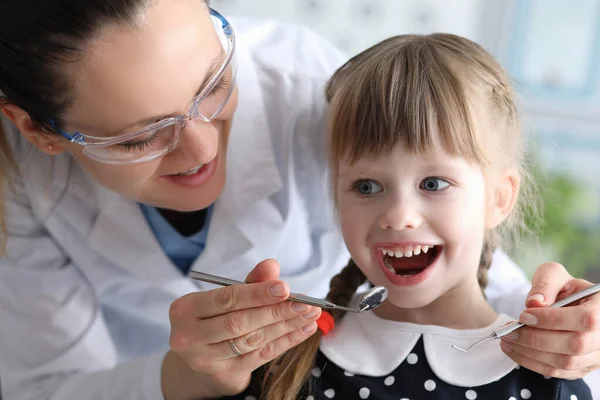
(199, 141)
(400, 215)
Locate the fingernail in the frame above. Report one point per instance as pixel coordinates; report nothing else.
(310, 327)
(514, 335)
(299, 307)
(278, 289)
(528, 319)
(315, 311)
(537, 297)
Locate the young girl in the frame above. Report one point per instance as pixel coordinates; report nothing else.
(426, 157)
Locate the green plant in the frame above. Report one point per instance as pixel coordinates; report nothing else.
(569, 229)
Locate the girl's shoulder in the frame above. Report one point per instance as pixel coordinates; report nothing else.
(416, 380)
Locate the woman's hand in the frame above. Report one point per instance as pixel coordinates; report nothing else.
(559, 342)
(207, 328)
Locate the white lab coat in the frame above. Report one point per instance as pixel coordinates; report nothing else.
(85, 288)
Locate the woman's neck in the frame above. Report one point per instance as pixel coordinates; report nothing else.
(462, 307)
(186, 223)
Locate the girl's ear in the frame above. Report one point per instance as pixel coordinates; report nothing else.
(503, 198)
(47, 142)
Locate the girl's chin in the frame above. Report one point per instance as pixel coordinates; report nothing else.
(406, 302)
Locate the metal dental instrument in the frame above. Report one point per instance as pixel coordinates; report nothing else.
(516, 325)
(368, 301)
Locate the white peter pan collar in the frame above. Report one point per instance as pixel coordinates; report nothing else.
(365, 344)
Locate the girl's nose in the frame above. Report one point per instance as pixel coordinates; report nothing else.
(400, 215)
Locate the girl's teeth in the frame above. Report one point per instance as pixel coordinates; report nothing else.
(408, 252)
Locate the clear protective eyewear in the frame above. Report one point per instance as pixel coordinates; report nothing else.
(160, 138)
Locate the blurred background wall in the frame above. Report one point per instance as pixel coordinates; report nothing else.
(551, 49)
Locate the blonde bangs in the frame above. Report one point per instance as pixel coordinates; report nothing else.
(401, 92)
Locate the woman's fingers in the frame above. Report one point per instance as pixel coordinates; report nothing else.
(267, 270)
(273, 349)
(548, 281)
(562, 366)
(582, 317)
(243, 322)
(563, 342)
(265, 335)
(228, 299)
(250, 329)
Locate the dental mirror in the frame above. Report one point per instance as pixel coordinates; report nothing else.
(368, 301)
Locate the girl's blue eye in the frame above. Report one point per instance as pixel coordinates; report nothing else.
(434, 184)
(367, 187)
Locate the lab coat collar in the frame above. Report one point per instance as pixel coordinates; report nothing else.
(368, 345)
(252, 175)
(240, 219)
(121, 227)
(252, 172)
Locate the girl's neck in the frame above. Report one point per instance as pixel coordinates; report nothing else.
(462, 307)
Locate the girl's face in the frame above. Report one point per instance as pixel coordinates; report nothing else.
(415, 223)
(144, 74)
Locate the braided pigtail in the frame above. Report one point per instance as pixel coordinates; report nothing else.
(489, 247)
(286, 375)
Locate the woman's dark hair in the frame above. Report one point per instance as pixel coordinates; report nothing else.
(37, 38)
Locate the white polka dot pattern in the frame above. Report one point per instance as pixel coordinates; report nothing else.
(364, 393)
(429, 385)
(412, 358)
(413, 379)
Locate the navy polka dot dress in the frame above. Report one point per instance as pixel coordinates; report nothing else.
(415, 380)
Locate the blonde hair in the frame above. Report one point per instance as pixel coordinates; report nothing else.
(419, 92)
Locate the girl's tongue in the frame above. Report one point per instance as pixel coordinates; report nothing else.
(410, 265)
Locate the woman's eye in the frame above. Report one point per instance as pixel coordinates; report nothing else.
(141, 144)
(434, 184)
(367, 187)
(222, 84)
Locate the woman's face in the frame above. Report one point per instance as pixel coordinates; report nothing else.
(142, 73)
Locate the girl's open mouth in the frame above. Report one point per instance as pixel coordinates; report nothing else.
(409, 261)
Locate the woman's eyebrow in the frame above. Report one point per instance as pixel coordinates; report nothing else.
(213, 67)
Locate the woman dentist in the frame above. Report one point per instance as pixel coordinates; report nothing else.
(124, 168)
